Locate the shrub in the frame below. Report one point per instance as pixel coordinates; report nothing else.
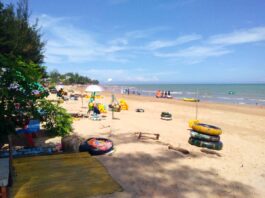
(56, 119)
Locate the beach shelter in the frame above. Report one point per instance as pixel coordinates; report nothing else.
(94, 88)
(58, 87)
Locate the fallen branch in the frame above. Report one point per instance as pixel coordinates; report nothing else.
(184, 151)
(207, 151)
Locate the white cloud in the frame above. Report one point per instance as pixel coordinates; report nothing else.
(125, 75)
(139, 34)
(201, 52)
(216, 45)
(67, 43)
(119, 41)
(169, 43)
(239, 37)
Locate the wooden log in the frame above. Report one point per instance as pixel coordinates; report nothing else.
(143, 134)
(184, 151)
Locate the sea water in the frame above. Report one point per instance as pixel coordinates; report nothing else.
(225, 93)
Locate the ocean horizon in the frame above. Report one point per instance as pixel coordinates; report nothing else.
(232, 93)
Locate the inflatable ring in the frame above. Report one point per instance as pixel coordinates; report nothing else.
(206, 129)
(97, 146)
(209, 145)
(166, 114)
(166, 118)
(204, 137)
(139, 110)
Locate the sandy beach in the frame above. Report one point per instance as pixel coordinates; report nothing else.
(147, 168)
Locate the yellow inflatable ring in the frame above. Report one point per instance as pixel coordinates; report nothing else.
(206, 129)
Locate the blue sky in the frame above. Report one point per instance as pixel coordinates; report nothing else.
(155, 41)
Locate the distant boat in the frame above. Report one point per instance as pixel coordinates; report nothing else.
(191, 100)
(231, 92)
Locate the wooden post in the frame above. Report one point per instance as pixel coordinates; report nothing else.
(82, 100)
(196, 117)
(3, 192)
(112, 102)
(10, 159)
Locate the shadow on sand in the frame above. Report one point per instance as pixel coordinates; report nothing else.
(163, 175)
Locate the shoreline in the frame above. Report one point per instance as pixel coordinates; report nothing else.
(241, 95)
(246, 108)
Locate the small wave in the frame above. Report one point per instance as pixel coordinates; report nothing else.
(191, 93)
(177, 92)
(148, 91)
(239, 98)
(206, 96)
(225, 98)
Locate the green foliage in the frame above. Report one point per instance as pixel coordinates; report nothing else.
(21, 52)
(70, 78)
(18, 86)
(58, 121)
(17, 36)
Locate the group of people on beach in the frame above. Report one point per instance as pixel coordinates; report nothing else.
(128, 92)
(163, 94)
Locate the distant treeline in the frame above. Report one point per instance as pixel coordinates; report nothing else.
(70, 78)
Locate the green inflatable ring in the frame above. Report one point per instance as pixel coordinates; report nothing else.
(205, 137)
(209, 145)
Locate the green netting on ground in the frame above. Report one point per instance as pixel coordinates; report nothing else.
(67, 175)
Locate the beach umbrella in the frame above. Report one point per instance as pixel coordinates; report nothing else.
(58, 87)
(94, 88)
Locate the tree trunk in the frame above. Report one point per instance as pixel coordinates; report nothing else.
(10, 160)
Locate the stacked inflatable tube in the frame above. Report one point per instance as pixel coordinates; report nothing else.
(204, 135)
(206, 129)
(206, 144)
